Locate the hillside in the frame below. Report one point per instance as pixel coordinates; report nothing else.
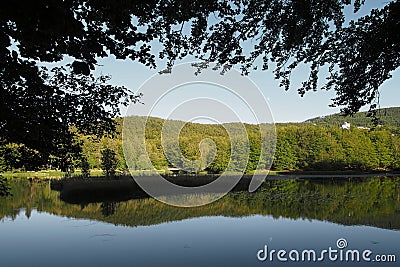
(215, 148)
(386, 116)
(301, 146)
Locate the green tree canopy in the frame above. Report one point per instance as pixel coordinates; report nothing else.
(108, 162)
(39, 105)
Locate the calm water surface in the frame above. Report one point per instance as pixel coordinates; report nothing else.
(39, 229)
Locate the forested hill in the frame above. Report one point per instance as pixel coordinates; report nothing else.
(235, 147)
(386, 116)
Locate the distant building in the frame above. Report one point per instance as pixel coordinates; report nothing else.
(346, 125)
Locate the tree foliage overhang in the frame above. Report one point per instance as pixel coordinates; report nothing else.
(39, 105)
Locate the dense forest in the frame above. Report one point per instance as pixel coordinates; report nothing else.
(214, 148)
(384, 116)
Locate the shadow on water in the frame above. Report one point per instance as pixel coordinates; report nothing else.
(370, 201)
(123, 188)
(4, 187)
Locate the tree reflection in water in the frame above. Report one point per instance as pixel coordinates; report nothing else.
(369, 201)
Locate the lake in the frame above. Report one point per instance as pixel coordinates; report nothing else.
(345, 217)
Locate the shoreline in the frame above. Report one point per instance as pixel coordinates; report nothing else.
(52, 175)
(333, 176)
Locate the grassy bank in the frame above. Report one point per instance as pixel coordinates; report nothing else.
(323, 172)
(56, 174)
(45, 174)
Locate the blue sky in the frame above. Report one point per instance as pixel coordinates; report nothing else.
(286, 106)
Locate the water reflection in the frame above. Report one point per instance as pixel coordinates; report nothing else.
(39, 229)
(373, 202)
